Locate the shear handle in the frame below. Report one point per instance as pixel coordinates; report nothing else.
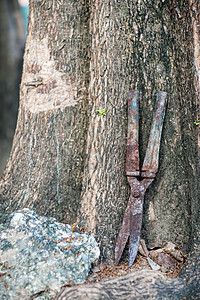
(132, 155)
(150, 164)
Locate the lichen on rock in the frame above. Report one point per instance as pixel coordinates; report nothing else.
(39, 254)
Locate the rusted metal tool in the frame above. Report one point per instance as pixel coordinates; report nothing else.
(139, 180)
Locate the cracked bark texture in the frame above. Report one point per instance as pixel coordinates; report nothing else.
(84, 56)
(46, 163)
(149, 47)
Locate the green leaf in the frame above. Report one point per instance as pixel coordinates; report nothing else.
(101, 112)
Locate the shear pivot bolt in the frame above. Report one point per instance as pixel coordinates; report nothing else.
(136, 193)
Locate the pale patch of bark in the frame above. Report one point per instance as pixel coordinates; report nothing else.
(44, 88)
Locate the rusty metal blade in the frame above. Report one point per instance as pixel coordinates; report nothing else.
(123, 235)
(150, 165)
(138, 189)
(132, 155)
(136, 224)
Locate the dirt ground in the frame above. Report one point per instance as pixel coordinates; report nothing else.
(103, 271)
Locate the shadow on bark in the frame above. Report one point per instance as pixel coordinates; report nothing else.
(12, 40)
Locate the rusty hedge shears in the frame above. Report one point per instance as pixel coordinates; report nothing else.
(132, 221)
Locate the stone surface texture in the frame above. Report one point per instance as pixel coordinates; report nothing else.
(38, 255)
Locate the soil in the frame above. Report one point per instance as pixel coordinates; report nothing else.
(104, 271)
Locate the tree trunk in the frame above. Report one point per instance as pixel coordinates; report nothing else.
(46, 163)
(12, 40)
(81, 57)
(149, 47)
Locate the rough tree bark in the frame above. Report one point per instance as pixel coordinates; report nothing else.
(149, 47)
(84, 56)
(46, 162)
(12, 40)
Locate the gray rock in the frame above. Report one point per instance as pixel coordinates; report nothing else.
(39, 254)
